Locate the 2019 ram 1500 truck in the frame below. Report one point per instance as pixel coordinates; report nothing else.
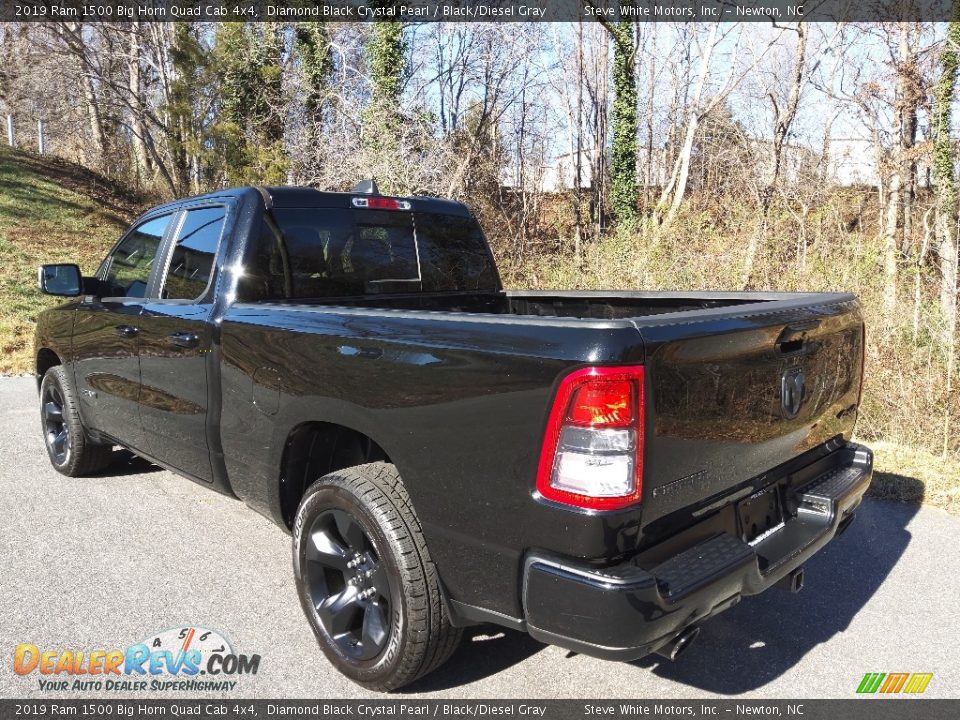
(604, 470)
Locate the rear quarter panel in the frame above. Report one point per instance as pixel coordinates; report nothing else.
(458, 403)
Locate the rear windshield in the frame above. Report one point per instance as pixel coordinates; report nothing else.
(316, 253)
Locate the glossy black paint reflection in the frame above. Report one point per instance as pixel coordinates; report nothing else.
(455, 389)
(106, 366)
(459, 400)
(714, 416)
(457, 403)
(174, 392)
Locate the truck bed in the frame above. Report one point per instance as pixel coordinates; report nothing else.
(587, 305)
(442, 379)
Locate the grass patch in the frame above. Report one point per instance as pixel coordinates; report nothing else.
(50, 211)
(910, 475)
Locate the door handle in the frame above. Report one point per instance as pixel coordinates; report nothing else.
(127, 331)
(184, 339)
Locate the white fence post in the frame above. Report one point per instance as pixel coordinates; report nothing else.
(11, 140)
(40, 144)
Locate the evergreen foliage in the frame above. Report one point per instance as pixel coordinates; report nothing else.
(623, 166)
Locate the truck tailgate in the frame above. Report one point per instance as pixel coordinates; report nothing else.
(732, 394)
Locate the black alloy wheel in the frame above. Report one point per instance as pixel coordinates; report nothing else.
(56, 433)
(366, 581)
(348, 584)
(72, 452)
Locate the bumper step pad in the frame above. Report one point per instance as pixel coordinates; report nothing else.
(820, 495)
(693, 568)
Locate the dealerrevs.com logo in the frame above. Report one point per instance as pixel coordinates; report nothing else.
(190, 659)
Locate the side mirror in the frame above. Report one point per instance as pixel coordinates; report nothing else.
(61, 279)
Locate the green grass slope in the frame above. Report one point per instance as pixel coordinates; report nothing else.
(50, 211)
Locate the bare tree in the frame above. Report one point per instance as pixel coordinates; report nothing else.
(784, 113)
(946, 206)
(892, 122)
(701, 102)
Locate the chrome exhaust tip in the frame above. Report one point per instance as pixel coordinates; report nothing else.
(680, 644)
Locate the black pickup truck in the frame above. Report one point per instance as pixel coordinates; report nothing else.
(603, 470)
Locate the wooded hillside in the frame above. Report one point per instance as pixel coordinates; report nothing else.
(620, 155)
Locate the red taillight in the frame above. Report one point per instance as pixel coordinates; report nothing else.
(602, 403)
(375, 202)
(592, 455)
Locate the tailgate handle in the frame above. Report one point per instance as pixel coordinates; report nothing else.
(793, 336)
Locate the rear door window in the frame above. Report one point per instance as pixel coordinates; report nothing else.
(192, 257)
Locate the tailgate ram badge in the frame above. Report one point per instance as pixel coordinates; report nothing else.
(792, 391)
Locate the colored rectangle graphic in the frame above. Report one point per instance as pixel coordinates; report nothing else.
(893, 683)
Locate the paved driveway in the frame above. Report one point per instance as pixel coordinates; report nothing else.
(105, 562)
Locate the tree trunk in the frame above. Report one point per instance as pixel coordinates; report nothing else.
(918, 275)
(908, 100)
(683, 165)
(944, 163)
(782, 122)
(599, 160)
(96, 122)
(907, 97)
(138, 125)
(890, 249)
(649, 178)
(676, 186)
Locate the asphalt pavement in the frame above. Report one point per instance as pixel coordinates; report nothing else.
(105, 562)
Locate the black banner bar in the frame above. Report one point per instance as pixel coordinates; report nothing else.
(476, 10)
(872, 708)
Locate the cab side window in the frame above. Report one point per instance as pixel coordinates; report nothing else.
(266, 274)
(128, 266)
(191, 262)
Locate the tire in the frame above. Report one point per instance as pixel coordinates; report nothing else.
(366, 581)
(70, 449)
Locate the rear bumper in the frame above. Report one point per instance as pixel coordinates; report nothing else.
(630, 610)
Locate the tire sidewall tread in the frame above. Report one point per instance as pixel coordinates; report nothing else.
(86, 457)
(421, 634)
